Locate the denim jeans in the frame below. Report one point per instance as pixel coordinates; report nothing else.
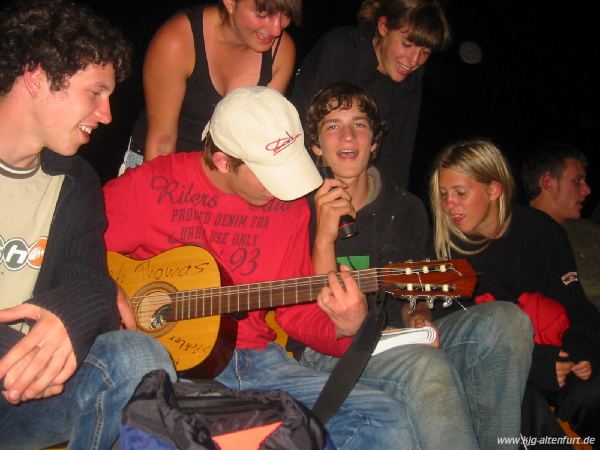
(465, 394)
(368, 418)
(131, 159)
(88, 412)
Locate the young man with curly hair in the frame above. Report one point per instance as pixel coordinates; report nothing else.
(65, 373)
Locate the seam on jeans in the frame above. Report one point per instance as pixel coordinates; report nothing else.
(99, 421)
(365, 419)
(236, 369)
(100, 399)
(103, 369)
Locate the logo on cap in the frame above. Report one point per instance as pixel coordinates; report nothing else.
(282, 143)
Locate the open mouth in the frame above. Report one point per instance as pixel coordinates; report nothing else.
(87, 130)
(347, 154)
(265, 38)
(457, 218)
(402, 69)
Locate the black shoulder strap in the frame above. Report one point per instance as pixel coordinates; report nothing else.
(349, 368)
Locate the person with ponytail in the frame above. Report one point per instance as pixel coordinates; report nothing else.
(385, 55)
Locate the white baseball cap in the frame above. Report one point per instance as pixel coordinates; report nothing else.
(261, 127)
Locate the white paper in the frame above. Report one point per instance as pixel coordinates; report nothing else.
(402, 336)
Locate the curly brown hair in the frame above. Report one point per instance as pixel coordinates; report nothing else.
(60, 37)
(342, 96)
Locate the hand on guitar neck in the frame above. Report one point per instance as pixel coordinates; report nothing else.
(343, 302)
(176, 297)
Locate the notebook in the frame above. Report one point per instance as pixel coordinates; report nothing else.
(392, 337)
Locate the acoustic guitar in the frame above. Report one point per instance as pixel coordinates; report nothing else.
(179, 298)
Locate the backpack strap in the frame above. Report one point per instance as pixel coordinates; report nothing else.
(346, 372)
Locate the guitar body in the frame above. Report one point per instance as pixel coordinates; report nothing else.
(200, 347)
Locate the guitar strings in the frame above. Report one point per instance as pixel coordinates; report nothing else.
(278, 285)
(319, 280)
(306, 288)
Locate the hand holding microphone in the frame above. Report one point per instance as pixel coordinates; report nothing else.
(347, 225)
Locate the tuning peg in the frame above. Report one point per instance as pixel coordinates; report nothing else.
(447, 302)
(430, 301)
(412, 303)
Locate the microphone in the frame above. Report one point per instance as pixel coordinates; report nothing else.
(347, 226)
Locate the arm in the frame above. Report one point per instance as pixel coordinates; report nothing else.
(125, 207)
(581, 340)
(169, 62)
(283, 66)
(553, 273)
(332, 201)
(307, 323)
(41, 362)
(332, 59)
(328, 326)
(73, 301)
(343, 302)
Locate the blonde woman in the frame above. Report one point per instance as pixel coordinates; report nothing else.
(522, 256)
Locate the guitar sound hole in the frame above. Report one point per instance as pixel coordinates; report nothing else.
(152, 306)
(158, 318)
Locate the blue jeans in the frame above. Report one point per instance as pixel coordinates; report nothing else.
(367, 419)
(88, 412)
(466, 394)
(131, 159)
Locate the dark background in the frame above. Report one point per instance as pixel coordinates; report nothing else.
(537, 78)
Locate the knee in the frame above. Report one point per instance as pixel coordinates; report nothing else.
(507, 324)
(133, 354)
(376, 422)
(432, 366)
(586, 395)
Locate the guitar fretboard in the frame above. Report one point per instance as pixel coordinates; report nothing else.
(248, 297)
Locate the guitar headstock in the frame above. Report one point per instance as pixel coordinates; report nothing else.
(430, 280)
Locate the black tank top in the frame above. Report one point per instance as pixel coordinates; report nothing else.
(200, 98)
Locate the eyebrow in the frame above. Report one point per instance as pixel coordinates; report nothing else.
(354, 118)
(103, 86)
(454, 186)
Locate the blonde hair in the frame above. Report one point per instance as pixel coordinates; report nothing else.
(481, 160)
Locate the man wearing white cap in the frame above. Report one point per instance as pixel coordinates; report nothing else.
(241, 200)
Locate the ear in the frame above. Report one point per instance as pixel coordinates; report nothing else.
(34, 80)
(374, 147)
(229, 6)
(317, 150)
(221, 161)
(547, 182)
(382, 27)
(495, 190)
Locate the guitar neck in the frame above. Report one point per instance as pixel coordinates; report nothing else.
(269, 294)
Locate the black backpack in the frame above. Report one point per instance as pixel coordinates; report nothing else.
(205, 414)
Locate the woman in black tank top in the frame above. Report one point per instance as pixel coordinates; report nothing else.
(199, 55)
